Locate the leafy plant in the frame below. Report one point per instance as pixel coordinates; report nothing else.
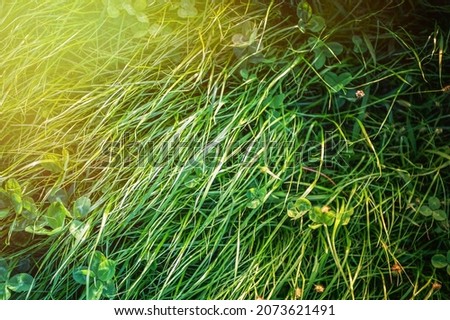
(433, 209)
(255, 197)
(11, 198)
(55, 163)
(21, 282)
(440, 261)
(245, 43)
(323, 51)
(321, 216)
(28, 218)
(337, 82)
(55, 217)
(98, 277)
(358, 44)
(307, 20)
(299, 208)
(134, 11)
(187, 9)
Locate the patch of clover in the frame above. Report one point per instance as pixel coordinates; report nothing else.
(246, 44)
(133, 11)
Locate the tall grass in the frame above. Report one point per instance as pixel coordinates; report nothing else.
(176, 134)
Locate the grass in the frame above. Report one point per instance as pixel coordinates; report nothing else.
(192, 147)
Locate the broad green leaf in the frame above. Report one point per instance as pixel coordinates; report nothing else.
(96, 260)
(56, 214)
(434, 203)
(187, 9)
(439, 261)
(292, 211)
(314, 226)
(315, 214)
(244, 74)
(253, 204)
(239, 40)
(278, 100)
(448, 269)
(140, 33)
(5, 294)
(13, 186)
(316, 24)
(52, 163)
(448, 257)
(255, 197)
(94, 291)
(82, 274)
(109, 289)
(319, 60)
(78, 229)
(346, 215)
(335, 49)
(358, 44)
(425, 211)
(304, 12)
(337, 82)
(140, 5)
(113, 11)
(20, 282)
(142, 18)
(439, 215)
(4, 213)
(303, 204)
(30, 211)
(191, 182)
(40, 230)
(328, 218)
(16, 201)
(106, 270)
(81, 207)
(128, 7)
(187, 12)
(60, 195)
(320, 216)
(3, 270)
(19, 225)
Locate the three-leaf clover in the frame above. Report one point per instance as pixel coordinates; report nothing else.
(21, 282)
(255, 197)
(322, 51)
(440, 261)
(187, 9)
(307, 20)
(98, 277)
(11, 198)
(299, 208)
(433, 209)
(321, 216)
(337, 82)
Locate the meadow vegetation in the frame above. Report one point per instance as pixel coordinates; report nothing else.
(224, 150)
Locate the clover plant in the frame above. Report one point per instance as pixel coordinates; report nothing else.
(21, 282)
(255, 197)
(440, 261)
(433, 209)
(319, 215)
(307, 21)
(98, 277)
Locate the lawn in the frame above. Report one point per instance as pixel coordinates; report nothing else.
(224, 149)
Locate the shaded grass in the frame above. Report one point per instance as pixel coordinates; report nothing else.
(168, 136)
